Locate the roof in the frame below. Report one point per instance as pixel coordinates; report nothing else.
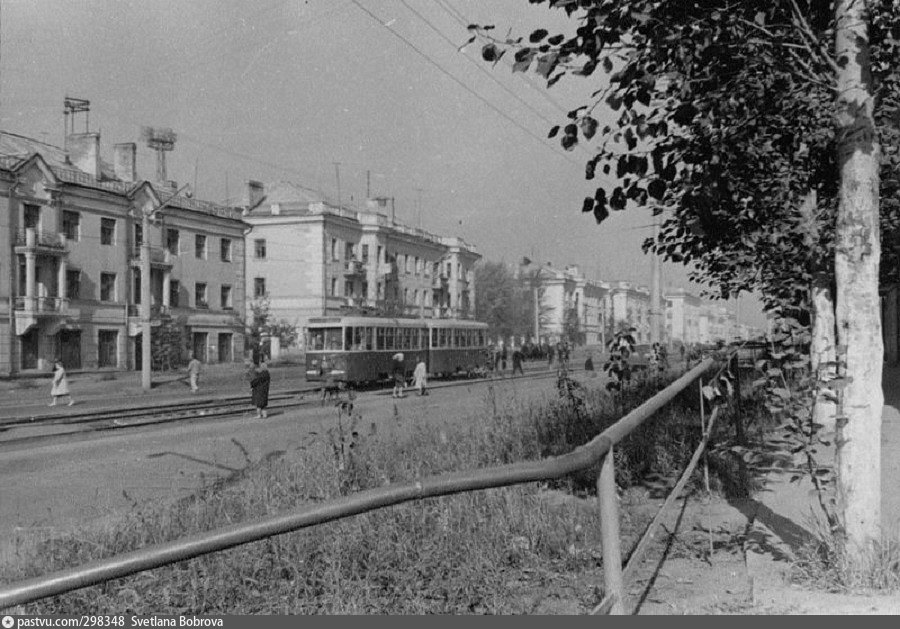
(16, 149)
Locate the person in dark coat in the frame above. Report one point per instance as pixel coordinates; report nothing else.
(259, 386)
(517, 358)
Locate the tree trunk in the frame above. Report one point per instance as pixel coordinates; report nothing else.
(822, 348)
(857, 252)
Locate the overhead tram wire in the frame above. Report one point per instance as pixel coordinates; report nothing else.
(493, 107)
(461, 19)
(481, 69)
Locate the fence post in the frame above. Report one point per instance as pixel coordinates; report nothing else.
(609, 533)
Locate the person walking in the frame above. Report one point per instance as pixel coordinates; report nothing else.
(517, 357)
(550, 355)
(503, 356)
(420, 376)
(60, 384)
(398, 371)
(259, 387)
(193, 370)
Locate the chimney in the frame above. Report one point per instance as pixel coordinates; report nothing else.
(255, 192)
(84, 152)
(124, 161)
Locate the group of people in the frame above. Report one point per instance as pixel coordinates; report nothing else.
(398, 373)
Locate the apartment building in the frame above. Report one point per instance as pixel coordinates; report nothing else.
(629, 305)
(310, 257)
(70, 260)
(567, 293)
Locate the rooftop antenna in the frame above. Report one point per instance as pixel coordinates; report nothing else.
(161, 140)
(72, 106)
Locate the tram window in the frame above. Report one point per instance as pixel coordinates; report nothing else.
(380, 337)
(423, 338)
(442, 337)
(332, 338)
(369, 338)
(316, 339)
(348, 338)
(407, 338)
(389, 336)
(358, 339)
(434, 337)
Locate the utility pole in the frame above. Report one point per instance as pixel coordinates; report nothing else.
(337, 175)
(655, 280)
(145, 301)
(368, 184)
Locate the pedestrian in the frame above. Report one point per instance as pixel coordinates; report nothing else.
(60, 384)
(550, 355)
(259, 388)
(517, 358)
(589, 363)
(193, 370)
(503, 357)
(399, 374)
(420, 376)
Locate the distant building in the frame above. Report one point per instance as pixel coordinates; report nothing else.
(310, 257)
(629, 307)
(683, 315)
(69, 260)
(568, 297)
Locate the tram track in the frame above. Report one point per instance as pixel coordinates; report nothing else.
(108, 420)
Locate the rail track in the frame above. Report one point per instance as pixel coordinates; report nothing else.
(112, 419)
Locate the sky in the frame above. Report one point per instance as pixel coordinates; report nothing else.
(283, 89)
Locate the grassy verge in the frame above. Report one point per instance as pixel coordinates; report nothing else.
(496, 551)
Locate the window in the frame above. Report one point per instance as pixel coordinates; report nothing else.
(418, 265)
(348, 289)
(107, 287)
(107, 231)
(334, 249)
(200, 247)
(407, 263)
(380, 258)
(333, 286)
(71, 224)
(200, 295)
(348, 251)
(138, 235)
(136, 285)
(259, 287)
(226, 297)
(174, 292)
(365, 254)
(226, 250)
(172, 241)
(436, 269)
(107, 348)
(259, 248)
(364, 291)
(32, 217)
(73, 283)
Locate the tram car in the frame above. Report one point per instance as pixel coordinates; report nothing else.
(357, 350)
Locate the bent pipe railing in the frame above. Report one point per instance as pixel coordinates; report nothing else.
(207, 542)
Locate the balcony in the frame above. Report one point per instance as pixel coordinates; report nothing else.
(30, 240)
(440, 281)
(354, 268)
(160, 258)
(42, 305)
(156, 311)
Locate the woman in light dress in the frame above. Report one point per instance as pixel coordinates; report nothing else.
(60, 384)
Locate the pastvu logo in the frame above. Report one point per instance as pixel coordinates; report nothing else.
(8, 622)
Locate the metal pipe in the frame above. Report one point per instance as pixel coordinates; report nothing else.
(207, 542)
(609, 533)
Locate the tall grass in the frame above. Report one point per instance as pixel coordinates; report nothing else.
(481, 552)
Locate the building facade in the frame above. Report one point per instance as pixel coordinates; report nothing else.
(309, 257)
(570, 302)
(629, 306)
(70, 260)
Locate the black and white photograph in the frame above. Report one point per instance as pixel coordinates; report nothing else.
(448, 307)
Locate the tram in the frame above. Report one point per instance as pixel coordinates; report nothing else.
(357, 350)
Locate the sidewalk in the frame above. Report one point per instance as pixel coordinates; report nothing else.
(30, 397)
(785, 515)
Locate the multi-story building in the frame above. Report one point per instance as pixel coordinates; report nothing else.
(310, 257)
(566, 294)
(70, 260)
(628, 305)
(683, 311)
